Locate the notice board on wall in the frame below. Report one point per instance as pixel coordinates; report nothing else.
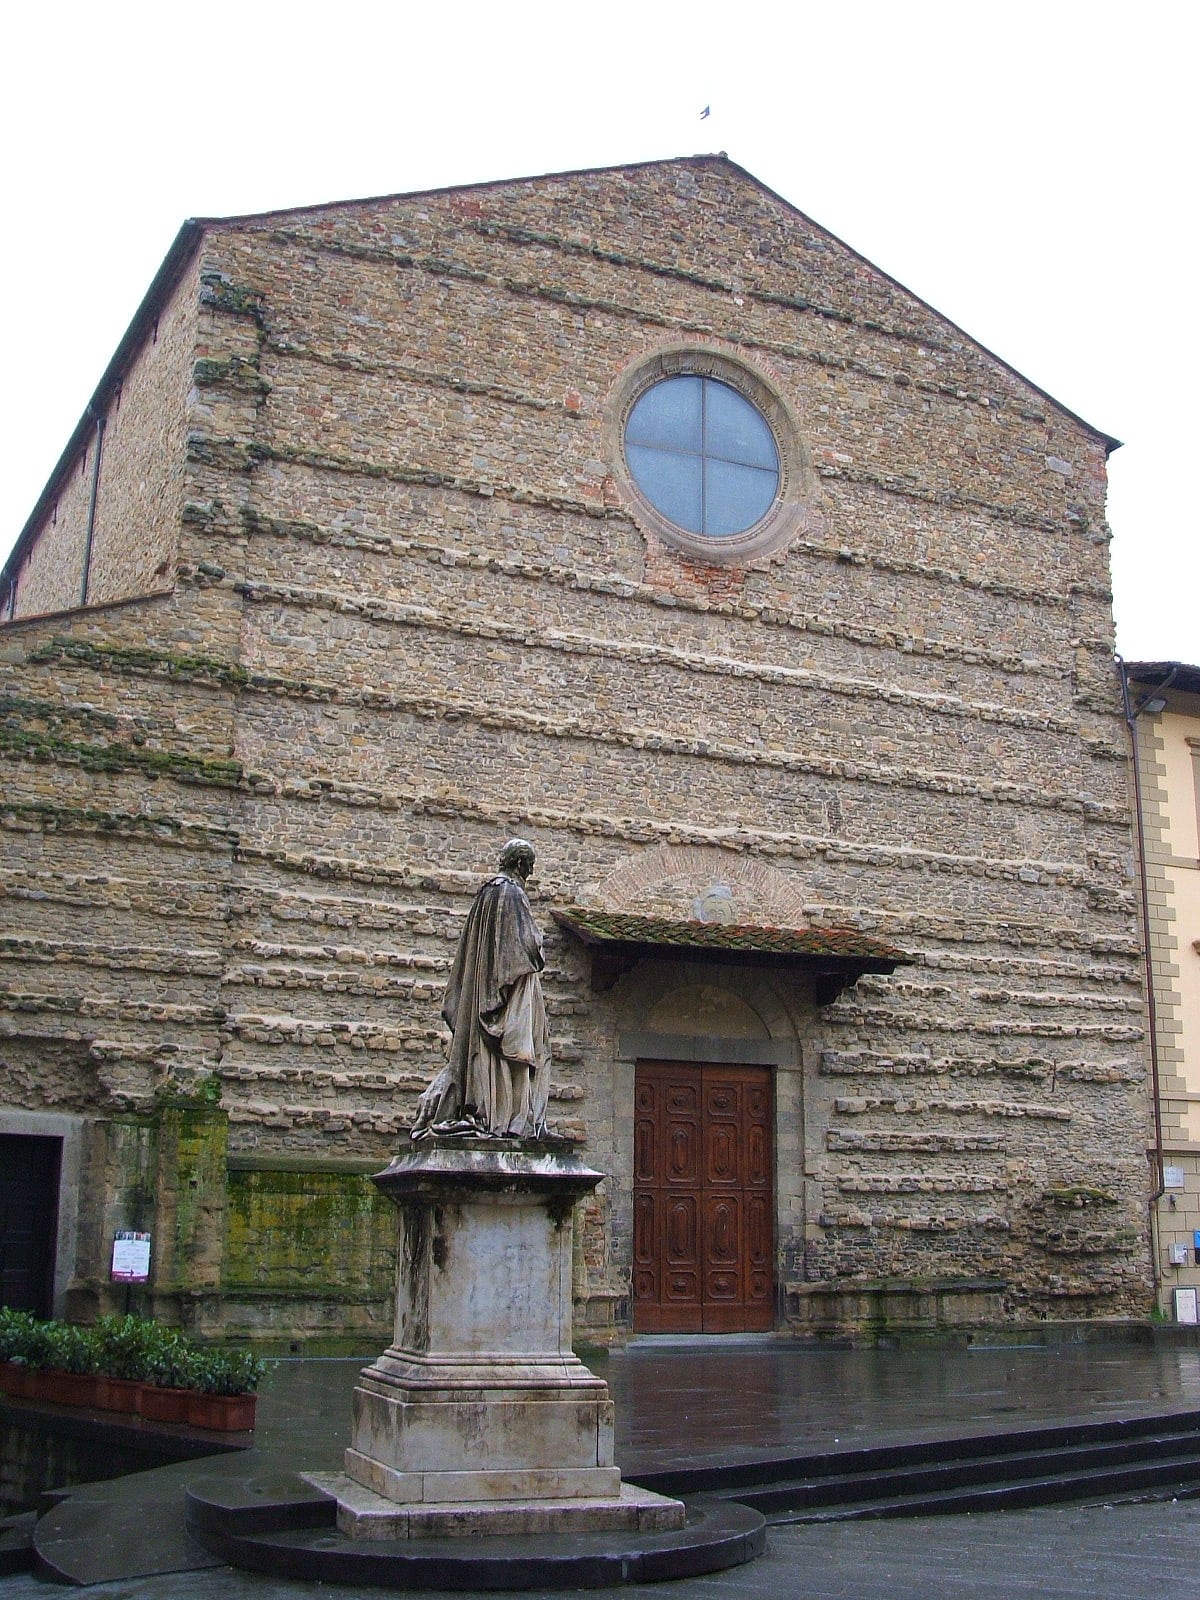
(131, 1258)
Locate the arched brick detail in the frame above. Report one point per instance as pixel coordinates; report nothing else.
(666, 881)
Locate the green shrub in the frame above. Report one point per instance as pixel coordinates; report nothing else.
(127, 1347)
(227, 1371)
(48, 1346)
(65, 1347)
(123, 1345)
(170, 1359)
(18, 1332)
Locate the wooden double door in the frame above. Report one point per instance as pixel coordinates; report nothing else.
(703, 1249)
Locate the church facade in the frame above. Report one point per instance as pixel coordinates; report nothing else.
(630, 512)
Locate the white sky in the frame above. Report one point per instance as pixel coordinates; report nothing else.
(1029, 169)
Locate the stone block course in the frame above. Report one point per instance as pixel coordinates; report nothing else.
(138, 491)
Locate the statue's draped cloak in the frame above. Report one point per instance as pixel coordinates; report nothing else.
(494, 1006)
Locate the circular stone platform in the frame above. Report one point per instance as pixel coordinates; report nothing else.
(284, 1526)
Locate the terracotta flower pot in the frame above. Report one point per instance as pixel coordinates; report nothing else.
(163, 1405)
(230, 1413)
(118, 1394)
(18, 1380)
(67, 1388)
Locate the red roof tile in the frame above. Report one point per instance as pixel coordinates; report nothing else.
(620, 927)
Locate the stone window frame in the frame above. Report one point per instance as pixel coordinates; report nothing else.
(1193, 744)
(792, 507)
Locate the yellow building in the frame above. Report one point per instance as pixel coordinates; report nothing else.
(1163, 706)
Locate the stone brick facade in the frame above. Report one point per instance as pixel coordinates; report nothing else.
(411, 611)
(107, 526)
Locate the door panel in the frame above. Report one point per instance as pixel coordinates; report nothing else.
(702, 1210)
(645, 1123)
(721, 1147)
(681, 1251)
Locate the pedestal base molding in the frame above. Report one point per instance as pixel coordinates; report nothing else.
(363, 1514)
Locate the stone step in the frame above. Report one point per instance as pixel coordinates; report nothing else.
(1146, 1481)
(1026, 1467)
(1179, 1450)
(283, 1526)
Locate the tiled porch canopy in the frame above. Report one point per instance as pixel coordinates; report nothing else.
(837, 957)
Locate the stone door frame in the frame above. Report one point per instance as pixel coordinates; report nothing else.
(754, 1308)
(781, 1051)
(69, 1131)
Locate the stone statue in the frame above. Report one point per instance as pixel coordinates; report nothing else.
(498, 1076)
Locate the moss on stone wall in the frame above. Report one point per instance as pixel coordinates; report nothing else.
(235, 373)
(190, 1203)
(312, 1231)
(219, 293)
(17, 744)
(139, 659)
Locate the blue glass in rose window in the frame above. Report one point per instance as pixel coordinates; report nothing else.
(702, 455)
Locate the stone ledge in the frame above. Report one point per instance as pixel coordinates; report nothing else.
(362, 1514)
(287, 1529)
(868, 1307)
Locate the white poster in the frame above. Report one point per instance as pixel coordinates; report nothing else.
(131, 1258)
(1185, 1305)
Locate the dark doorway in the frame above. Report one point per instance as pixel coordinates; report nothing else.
(29, 1169)
(702, 1199)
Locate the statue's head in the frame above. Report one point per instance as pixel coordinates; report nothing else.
(517, 856)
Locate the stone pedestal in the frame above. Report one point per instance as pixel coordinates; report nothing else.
(479, 1418)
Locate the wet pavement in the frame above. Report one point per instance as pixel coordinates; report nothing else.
(693, 1404)
(726, 1401)
(705, 1402)
(1124, 1552)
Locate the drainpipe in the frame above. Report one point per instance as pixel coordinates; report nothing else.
(1132, 713)
(91, 517)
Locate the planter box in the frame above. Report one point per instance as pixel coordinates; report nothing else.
(66, 1388)
(164, 1405)
(229, 1413)
(18, 1380)
(226, 1413)
(119, 1394)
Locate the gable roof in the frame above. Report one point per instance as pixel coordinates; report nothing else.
(192, 231)
(713, 159)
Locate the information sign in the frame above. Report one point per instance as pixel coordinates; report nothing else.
(131, 1258)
